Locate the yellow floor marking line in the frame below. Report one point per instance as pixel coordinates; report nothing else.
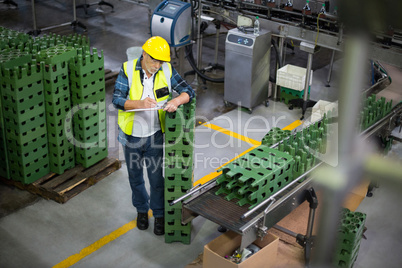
(231, 133)
(132, 224)
(98, 244)
(294, 125)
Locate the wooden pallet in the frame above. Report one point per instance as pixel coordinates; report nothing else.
(110, 77)
(62, 188)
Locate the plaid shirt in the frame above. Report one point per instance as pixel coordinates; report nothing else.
(121, 91)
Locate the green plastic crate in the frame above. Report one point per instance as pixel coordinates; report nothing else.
(10, 58)
(30, 172)
(23, 76)
(91, 156)
(57, 54)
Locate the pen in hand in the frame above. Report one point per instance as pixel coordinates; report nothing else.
(149, 103)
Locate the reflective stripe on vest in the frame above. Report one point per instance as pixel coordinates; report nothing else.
(126, 119)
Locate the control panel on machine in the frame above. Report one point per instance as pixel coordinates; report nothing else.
(168, 9)
(241, 40)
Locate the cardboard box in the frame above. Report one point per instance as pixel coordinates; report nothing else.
(226, 244)
(356, 196)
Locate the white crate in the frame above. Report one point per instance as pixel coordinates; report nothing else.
(321, 108)
(292, 77)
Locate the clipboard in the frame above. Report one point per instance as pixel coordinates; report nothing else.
(157, 107)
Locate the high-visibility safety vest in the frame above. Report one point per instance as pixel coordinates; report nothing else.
(126, 119)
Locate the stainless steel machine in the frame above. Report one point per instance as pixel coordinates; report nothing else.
(172, 21)
(247, 68)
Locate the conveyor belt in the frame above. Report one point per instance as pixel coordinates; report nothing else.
(217, 209)
(228, 214)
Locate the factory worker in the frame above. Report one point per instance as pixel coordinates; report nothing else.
(142, 85)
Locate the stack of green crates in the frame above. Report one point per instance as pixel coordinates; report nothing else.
(58, 106)
(87, 79)
(41, 118)
(23, 108)
(288, 94)
(179, 148)
(349, 237)
(4, 170)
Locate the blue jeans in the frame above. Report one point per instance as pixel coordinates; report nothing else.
(140, 153)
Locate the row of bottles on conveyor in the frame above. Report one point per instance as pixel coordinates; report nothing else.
(289, 6)
(306, 11)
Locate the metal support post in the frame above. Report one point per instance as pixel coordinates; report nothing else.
(305, 102)
(74, 11)
(35, 29)
(306, 241)
(308, 76)
(331, 65)
(281, 49)
(199, 43)
(217, 27)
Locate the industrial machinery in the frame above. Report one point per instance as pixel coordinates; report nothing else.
(254, 223)
(247, 61)
(172, 21)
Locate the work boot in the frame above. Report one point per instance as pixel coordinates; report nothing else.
(159, 228)
(142, 221)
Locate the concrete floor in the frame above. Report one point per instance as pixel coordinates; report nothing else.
(39, 233)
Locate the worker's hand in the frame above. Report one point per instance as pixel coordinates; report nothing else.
(172, 105)
(148, 103)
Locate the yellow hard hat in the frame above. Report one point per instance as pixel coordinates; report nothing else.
(157, 48)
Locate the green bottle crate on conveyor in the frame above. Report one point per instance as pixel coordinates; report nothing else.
(349, 238)
(242, 179)
(275, 135)
(304, 146)
(255, 176)
(373, 110)
(23, 114)
(179, 148)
